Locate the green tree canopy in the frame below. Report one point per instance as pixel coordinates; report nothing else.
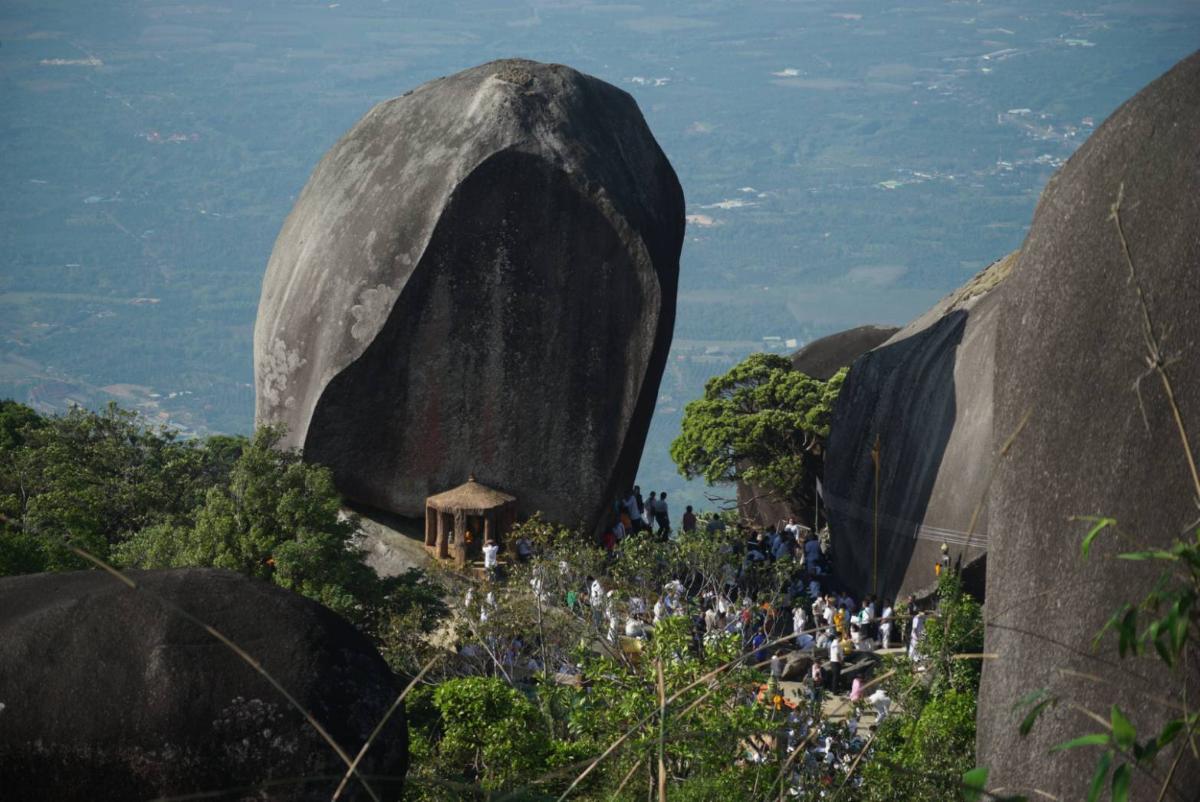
(276, 518)
(90, 479)
(142, 497)
(755, 424)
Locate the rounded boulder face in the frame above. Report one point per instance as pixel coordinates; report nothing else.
(925, 396)
(478, 278)
(110, 694)
(1071, 345)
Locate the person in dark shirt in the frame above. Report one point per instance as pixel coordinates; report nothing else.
(689, 520)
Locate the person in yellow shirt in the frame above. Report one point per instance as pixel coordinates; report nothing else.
(943, 563)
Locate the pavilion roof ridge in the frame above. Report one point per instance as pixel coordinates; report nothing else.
(470, 496)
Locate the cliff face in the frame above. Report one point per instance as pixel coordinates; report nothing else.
(1071, 345)
(479, 278)
(926, 396)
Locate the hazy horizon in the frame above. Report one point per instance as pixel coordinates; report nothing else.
(843, 163)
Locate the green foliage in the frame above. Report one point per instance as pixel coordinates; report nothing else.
(278, 518)
(91, 480)
(956, 630)
(490, 730)
(922, 756)
(142, 498)
(926, 750)
(16, 423)
(755, 424)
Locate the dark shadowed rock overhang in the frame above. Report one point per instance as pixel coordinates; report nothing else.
(109, 694)
(926, 396)
(820, 359)
(479, 277)
(1070, 348)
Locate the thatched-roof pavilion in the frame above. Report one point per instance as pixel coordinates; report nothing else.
(458, 521)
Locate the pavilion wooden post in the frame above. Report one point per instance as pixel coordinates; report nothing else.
(460, 537)
(430, 528)
(442, 546)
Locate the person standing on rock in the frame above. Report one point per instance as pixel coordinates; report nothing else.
(885, 626)
(812, 555)
(835, 664)
(491, 558)
(635, 507)
(918, 629)
(689, 520)
(662, 516)
(818, 679)
(524, 549)
(943, 563)
(910, 609)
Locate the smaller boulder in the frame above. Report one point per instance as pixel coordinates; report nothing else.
(797, 666)
(110, 694)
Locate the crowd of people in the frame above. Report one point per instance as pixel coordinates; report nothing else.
(775, 594)
(813, 616)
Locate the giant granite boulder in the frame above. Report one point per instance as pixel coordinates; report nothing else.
(1071, 353)
(925, 396)
(109, 694)
(478, 278)
(820, 359)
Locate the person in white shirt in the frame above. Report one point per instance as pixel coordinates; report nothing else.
(835, 664)
(864, 620)
(651, 509)
(885, 626)
(881, 703)
(859, 638)
(724, 605)
(799, 622)
(918, 629)
(489, 603)
(660, 611)
(491, 557)
(631, 504)
(662, 515)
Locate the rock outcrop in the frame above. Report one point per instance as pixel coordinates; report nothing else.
(480, 278)
(1072, 344)
(109, 694)
(820, 359)
(926, 396)
(824, 357)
